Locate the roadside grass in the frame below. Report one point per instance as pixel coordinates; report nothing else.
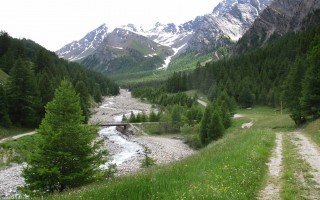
(296, 179)
(7, 132)
(313, 131)
(231, 168)
(17, 151)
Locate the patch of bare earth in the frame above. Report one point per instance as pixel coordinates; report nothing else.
(272, 189)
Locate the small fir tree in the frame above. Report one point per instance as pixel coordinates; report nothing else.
(147, 161)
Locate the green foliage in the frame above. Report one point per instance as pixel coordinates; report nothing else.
(215, 127)
(159, 96)
(212, 127)
(147, 161)
(35, 73)
(153, 117)
(176, 115)
(124, 118)
(23, 95)
(191, 136)
(68, 154)
(83, 92)
(177, 82)
(4, 116)
(284, 71)
(310, 99)
(17, 151)
(3, 77)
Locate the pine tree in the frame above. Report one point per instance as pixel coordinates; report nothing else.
(23, 95)
(68, 154)
(132, 118)
(292, 91)
(4, 116)
(204, 125)
(310, 100)
(215, 128)
(82, 90)
(4, 42)
(153, 117)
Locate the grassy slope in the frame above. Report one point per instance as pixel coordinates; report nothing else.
(4, 132)
(182, 63)
(17, 151)
(313, 131)
(232, 168)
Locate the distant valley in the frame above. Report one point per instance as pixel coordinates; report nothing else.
(131, 49)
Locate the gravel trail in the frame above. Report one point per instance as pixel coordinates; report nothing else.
(309, 152)
(272, 190)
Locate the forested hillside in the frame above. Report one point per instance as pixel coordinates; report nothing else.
(285, 71)
(34, 74)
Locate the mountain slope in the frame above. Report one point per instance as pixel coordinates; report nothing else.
(126, 51)
(227, 23)
(281, 17)
(132, 48)
(77, 50)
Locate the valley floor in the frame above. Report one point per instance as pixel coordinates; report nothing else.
(164, 149)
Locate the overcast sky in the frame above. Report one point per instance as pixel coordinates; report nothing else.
(54, 23)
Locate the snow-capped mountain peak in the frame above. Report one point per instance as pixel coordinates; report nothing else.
(77, 50)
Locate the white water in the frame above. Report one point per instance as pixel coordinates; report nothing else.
(128, 149)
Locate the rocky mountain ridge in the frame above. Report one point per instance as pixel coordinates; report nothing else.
(281, 17)
(225, 25)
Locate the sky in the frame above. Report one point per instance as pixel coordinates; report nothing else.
(54, 23)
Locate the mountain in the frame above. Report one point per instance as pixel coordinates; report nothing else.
(125, 51)
(133, 48)
(77, 50)
(170, 34)
(227, 23)
(281, 17)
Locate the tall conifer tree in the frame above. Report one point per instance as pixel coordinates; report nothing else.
(68, 155)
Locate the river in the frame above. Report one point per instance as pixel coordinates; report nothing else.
(125, 152)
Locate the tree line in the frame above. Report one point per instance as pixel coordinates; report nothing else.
(34, 74)
(283, 72)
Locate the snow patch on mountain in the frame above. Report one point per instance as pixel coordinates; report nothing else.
(77, 50)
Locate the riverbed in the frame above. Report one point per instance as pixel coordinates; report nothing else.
(124, 151)
(127, 151)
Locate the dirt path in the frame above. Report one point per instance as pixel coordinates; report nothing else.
(272, 190)
(16, 137)
(310, 152)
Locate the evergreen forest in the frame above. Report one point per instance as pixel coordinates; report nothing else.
(30, 77)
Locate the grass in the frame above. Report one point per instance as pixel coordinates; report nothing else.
(265, 117)
(17, 151)
(184, 62)
(7, 132)
(232, 168)
(313, 131)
